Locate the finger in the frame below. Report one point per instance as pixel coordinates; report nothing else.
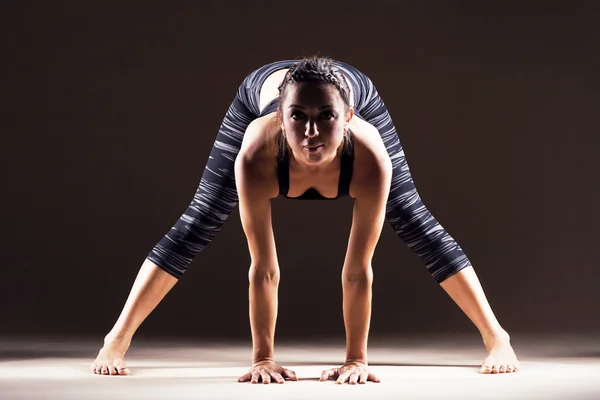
(266, 378)
(326, 374)
(255, 376)
(245, 377)
(373, 378)
(363, 377)
(291, 375)
(353, 378)
(277, 377)
(343, 377)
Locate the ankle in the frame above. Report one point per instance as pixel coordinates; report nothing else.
(117, 338)
(494, 336)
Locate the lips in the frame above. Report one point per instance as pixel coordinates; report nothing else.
(314, 146)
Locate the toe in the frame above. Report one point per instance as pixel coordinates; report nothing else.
(122, 368)
(486, 368)
(487, 365)
(104, 370)
(502, 369)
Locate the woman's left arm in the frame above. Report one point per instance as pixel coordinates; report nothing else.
(371, 193)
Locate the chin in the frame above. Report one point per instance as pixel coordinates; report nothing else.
(319, 157)
(314, 159)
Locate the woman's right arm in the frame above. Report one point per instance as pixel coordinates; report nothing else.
(255, 185)
(256, 182)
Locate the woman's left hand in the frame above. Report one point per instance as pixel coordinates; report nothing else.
(351, 372)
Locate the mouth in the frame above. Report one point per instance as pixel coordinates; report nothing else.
(314, 146)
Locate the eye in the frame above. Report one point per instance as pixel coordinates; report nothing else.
(327, 115)
(296, 115)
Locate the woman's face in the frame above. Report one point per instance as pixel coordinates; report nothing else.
(314, 119)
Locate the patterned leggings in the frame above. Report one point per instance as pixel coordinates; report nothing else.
(216, 195)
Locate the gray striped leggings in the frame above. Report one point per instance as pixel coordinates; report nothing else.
(216, 195)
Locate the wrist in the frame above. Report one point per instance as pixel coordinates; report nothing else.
(261, 360)
(356, 361)
(356, 354)
(262, 354)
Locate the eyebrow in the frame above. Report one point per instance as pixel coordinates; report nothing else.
(302, 107)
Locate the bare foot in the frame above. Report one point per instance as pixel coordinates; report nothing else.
(502, 358)
(111, 358)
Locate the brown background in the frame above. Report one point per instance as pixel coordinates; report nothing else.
(109, 113)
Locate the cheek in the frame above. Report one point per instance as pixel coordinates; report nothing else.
(334, 128)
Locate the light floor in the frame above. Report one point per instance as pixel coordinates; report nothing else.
(566, 367)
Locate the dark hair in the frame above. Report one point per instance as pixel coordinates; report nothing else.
(316, 69)
(319, 70)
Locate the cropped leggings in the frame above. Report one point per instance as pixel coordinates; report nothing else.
(216, 196)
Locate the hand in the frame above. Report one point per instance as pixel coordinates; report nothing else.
(351, 372)
(265, 370)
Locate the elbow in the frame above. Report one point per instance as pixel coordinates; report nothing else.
(259, 276)
(362, 276)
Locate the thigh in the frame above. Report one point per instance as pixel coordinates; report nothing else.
(214, 199)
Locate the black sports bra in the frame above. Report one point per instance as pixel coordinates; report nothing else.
(283, 176)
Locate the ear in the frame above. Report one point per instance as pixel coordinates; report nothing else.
(350, 115)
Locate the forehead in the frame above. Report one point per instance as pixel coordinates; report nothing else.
(312, 93)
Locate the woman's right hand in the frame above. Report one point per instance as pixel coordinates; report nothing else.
(265, 371)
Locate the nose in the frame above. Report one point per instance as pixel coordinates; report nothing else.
(311, 130)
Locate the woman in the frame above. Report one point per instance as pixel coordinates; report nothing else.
(312, 129)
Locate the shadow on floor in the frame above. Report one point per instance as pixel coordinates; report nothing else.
(376, 364)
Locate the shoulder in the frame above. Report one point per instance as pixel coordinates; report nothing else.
(256, 163)
(372, 164)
